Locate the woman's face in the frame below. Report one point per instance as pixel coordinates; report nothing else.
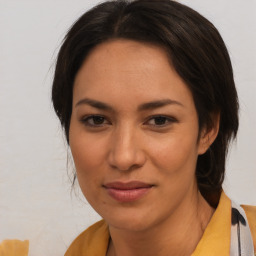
(134, 135)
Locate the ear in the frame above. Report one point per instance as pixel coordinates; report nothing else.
(208, 134)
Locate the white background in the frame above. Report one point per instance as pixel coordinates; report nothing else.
(36, 202)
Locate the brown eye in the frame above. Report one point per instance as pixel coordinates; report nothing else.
(97, 120)
(94, 120)
(160, 121)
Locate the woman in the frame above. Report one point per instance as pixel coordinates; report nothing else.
(145, 93)
(146, 96)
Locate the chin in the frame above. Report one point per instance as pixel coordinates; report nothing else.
(130, 220)
(131, 225)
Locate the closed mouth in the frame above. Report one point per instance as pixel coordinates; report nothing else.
(128, 191)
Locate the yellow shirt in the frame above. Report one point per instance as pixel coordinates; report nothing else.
(94, 241)
(14, 248)
(214, 242)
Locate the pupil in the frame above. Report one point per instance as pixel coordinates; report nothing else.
(160, 120)
(98, 119)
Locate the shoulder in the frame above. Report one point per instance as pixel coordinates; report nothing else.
(251, 216)
(92, 241)
(14, 247)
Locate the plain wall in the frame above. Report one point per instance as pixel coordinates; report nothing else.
(36, 200)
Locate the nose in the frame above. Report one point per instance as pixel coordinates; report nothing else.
(125, 152)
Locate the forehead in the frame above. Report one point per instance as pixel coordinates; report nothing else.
(125, 55)
(129, 70)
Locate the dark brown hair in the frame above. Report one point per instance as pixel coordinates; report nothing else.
(195, 49)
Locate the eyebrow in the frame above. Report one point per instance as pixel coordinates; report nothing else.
(145, 106)
(158, 104)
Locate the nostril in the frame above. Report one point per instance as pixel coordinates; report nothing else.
(125, 152)
(126, 161)
(129, 169)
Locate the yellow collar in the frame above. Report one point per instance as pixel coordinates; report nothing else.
(216, 237)
(215, 240)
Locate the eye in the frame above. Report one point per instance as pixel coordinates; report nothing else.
(94, 121)
(160, 121)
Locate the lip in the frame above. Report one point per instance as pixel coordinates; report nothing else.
(127, 191)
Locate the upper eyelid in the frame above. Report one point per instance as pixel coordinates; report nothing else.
(148, 117)
(164, 116)
(91, 116)
(85, 118)
(161, 115)
(169, 118)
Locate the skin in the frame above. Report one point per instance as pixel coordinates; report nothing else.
(158, 145)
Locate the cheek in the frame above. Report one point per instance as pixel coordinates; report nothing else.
(88, 163)
(175, 154)
(175, 162)
(88, 169)
(86, 149)
(88, 158)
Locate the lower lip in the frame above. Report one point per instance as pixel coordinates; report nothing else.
(128, 195)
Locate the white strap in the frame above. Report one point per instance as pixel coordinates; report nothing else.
(241, 238)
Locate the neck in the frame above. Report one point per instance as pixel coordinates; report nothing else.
(176, 236)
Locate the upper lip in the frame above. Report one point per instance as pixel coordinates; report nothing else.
(127, 185)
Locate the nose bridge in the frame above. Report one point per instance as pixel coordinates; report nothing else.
(125, 152)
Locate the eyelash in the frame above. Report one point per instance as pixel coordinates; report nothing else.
(167, 121)
(85, 120)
